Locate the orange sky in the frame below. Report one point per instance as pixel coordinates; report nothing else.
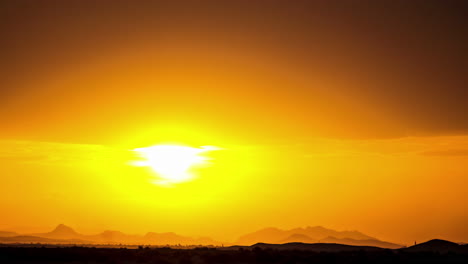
(349, 116)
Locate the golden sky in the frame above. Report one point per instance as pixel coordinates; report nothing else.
(350, 116)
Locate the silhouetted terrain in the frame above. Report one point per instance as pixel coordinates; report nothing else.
(42, 240)
(435, 251)
(317, 247)
(435, 245)
(63, 234)
(315, 234)
(439, 246)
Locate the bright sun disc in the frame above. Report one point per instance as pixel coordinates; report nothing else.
(172, 163)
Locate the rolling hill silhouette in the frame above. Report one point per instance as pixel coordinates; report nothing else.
(438, 245)
(113, 237)
(310, 238)
(63, 234)
(312, 235)
(317, 247)
(360, 242)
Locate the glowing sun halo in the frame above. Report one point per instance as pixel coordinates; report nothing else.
(172, 163)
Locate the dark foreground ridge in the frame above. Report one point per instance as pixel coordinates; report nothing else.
(434, 251)
(317, 247)
(439, 246)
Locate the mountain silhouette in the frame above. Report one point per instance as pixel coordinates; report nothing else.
(312, 235)
(298, 238)
(61, 232)
(438, 245)
(318, 232)
(266, 235)
(317, 247)
(360, 242)
(111, 236)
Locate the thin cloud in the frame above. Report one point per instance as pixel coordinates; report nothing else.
(54, 152)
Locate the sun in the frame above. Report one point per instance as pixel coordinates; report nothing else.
(172, 163)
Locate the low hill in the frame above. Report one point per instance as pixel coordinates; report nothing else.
(437, 245)
(317, 247)
(363, 242)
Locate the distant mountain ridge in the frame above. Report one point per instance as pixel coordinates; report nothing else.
(289, 240)
(299, 238)
(63, 234)
(315, 234)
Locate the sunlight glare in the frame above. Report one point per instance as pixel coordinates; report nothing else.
(172, 163)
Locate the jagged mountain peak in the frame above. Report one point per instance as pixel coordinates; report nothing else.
(63, 229)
